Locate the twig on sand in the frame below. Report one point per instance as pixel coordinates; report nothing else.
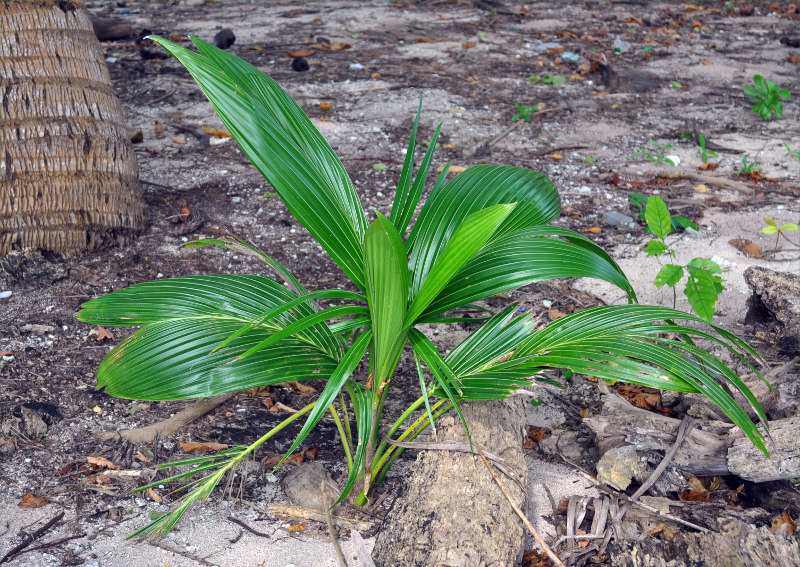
(30, 538)
(326, 504)
(610, 491)
(248, 528)
(317, 516)
(716, 180)
(199, 560)
(553, 557)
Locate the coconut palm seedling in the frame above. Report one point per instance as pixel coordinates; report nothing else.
(482, 233)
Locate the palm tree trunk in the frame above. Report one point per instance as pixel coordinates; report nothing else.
(68, 171)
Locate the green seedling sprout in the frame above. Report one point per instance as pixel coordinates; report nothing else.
(772, 228)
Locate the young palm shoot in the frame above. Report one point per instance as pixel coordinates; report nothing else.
(481, 233)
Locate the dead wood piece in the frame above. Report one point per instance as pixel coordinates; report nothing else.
(713, 448)
(317, 516)
(775, 300)
(716, 180)
(168, 426)
(451, 512)
(738, 544)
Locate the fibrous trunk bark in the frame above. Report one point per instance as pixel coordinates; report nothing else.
(451, 512)
(68, 170)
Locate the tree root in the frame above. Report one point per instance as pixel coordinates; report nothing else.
(169, 426)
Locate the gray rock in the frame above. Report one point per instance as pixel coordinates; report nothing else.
(303, 485)
(617, 219)
(775, 304)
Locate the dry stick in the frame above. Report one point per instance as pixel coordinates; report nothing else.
(169, 426)
(709, 179)
(610, 491)
(683, 432)
(317, 516)
(248, 528)
(326, 503)
(553, 557)
(30, 538)
(199, 560)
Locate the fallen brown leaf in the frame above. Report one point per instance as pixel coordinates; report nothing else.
(709, 166)
(154, 495)
(783, 519)
(468, 45)
(295, 528)
(593, 230)
(193, 446)
(302, 388)
(311, 454)
(177, 140)
(301, 53)
(325, 105)
(340, 46)
(30, 500)
(254, 48)
(160, 128)
(425, 40)
(747, 247)
(217, 132)
(101, 462)
(696, 492)
(555, 314)
(103, 334)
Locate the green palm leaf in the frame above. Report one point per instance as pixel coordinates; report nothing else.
(407, 196)
(623, 343)
(171, 360)
(470, 236)
(285, 147)
(477, 188)
(524, 257)
(387, 293)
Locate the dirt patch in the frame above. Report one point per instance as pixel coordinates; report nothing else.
(472, 62)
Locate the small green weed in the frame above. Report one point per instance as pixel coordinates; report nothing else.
(704, 152)
(772, 228)
(791, 153)
(676, 85)
(549, 79)
(525, 112)
(766, 96)
(748, 168)
(658, 153)
(589, 159)
(703, 284)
